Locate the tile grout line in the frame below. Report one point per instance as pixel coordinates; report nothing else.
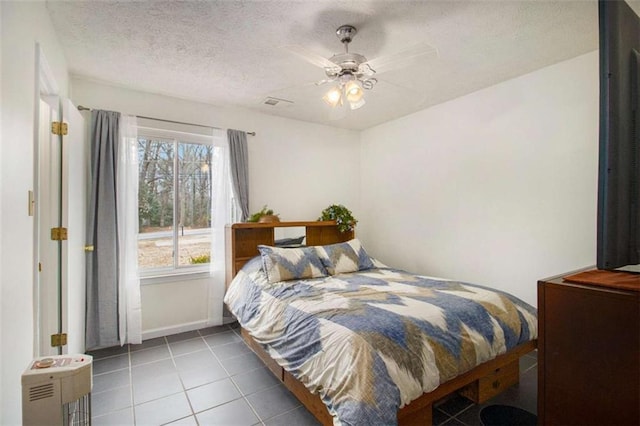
(129, 368)
(242, 395)
(130, 352)
(166, 342)
(184, 388)
(455, 417)
(535, 365)
(287, 412)
(264, 389)
(225, 329)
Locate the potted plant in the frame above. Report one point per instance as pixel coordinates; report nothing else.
(342, 215)
(265, 215)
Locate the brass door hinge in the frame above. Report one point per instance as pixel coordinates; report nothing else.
(58, 339)
(59, 234)
(59, 128)
(32, 203)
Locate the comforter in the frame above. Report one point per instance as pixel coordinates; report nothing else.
(370, 342)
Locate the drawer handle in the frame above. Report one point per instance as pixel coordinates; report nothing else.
(496, 384)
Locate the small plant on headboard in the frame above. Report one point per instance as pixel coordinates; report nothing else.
(264, 212)
(342, 215)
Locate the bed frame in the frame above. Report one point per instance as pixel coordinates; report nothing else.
(480, 384)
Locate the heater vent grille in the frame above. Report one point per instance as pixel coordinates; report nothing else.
(41, 392)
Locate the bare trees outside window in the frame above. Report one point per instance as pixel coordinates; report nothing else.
(174, 203)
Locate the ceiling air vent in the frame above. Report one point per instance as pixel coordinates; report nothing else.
(276, 102)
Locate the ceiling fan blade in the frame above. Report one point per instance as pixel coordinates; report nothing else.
(324, 81)
(312, 58)
(410, 95)
(400, 59)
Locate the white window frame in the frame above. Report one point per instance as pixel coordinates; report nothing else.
(164, 274)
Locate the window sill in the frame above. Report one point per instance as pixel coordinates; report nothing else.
(165, 278)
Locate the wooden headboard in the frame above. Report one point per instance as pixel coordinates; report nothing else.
(242, 239)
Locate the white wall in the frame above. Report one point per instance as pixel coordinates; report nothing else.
(22, 25)
(173, 307)
(497, 187)
(296, 168)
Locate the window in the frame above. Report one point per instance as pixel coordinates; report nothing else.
(174, 201)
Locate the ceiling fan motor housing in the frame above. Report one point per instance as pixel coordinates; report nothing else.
(349, 66)
(346, 33)
(348, 61)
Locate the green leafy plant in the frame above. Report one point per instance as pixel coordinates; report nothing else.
(203, 258)
(264, 212)
(342, 215)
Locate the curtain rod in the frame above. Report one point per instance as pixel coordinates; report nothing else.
(83, 108)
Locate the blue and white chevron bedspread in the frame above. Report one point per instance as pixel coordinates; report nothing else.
(372, 341)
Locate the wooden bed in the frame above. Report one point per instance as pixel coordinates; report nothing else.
(479, 384)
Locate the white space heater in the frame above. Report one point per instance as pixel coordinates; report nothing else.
(56, 390)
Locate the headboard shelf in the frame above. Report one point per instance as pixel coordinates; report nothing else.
(243, 239)
(314, 224)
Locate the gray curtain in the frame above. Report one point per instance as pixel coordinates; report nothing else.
(102, 263)
(239, 158)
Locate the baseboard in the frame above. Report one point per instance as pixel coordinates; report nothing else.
(173, 329)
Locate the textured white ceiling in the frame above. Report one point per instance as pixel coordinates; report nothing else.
(231, 52)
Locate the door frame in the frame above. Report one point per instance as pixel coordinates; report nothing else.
(46, 88)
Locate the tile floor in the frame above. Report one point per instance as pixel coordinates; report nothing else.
(210, 377)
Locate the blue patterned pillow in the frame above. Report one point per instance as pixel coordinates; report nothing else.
(284, 264)
(344, 257)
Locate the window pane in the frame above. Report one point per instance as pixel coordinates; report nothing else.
(194, 204)
(155, 203)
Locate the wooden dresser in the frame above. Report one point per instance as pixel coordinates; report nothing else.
(589, 349)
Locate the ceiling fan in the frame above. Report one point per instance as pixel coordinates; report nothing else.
(352, 73)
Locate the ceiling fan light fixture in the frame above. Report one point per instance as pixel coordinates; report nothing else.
(351, 73)
(358, 104)
(333, 97)
(368, 83)
(353, 92)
